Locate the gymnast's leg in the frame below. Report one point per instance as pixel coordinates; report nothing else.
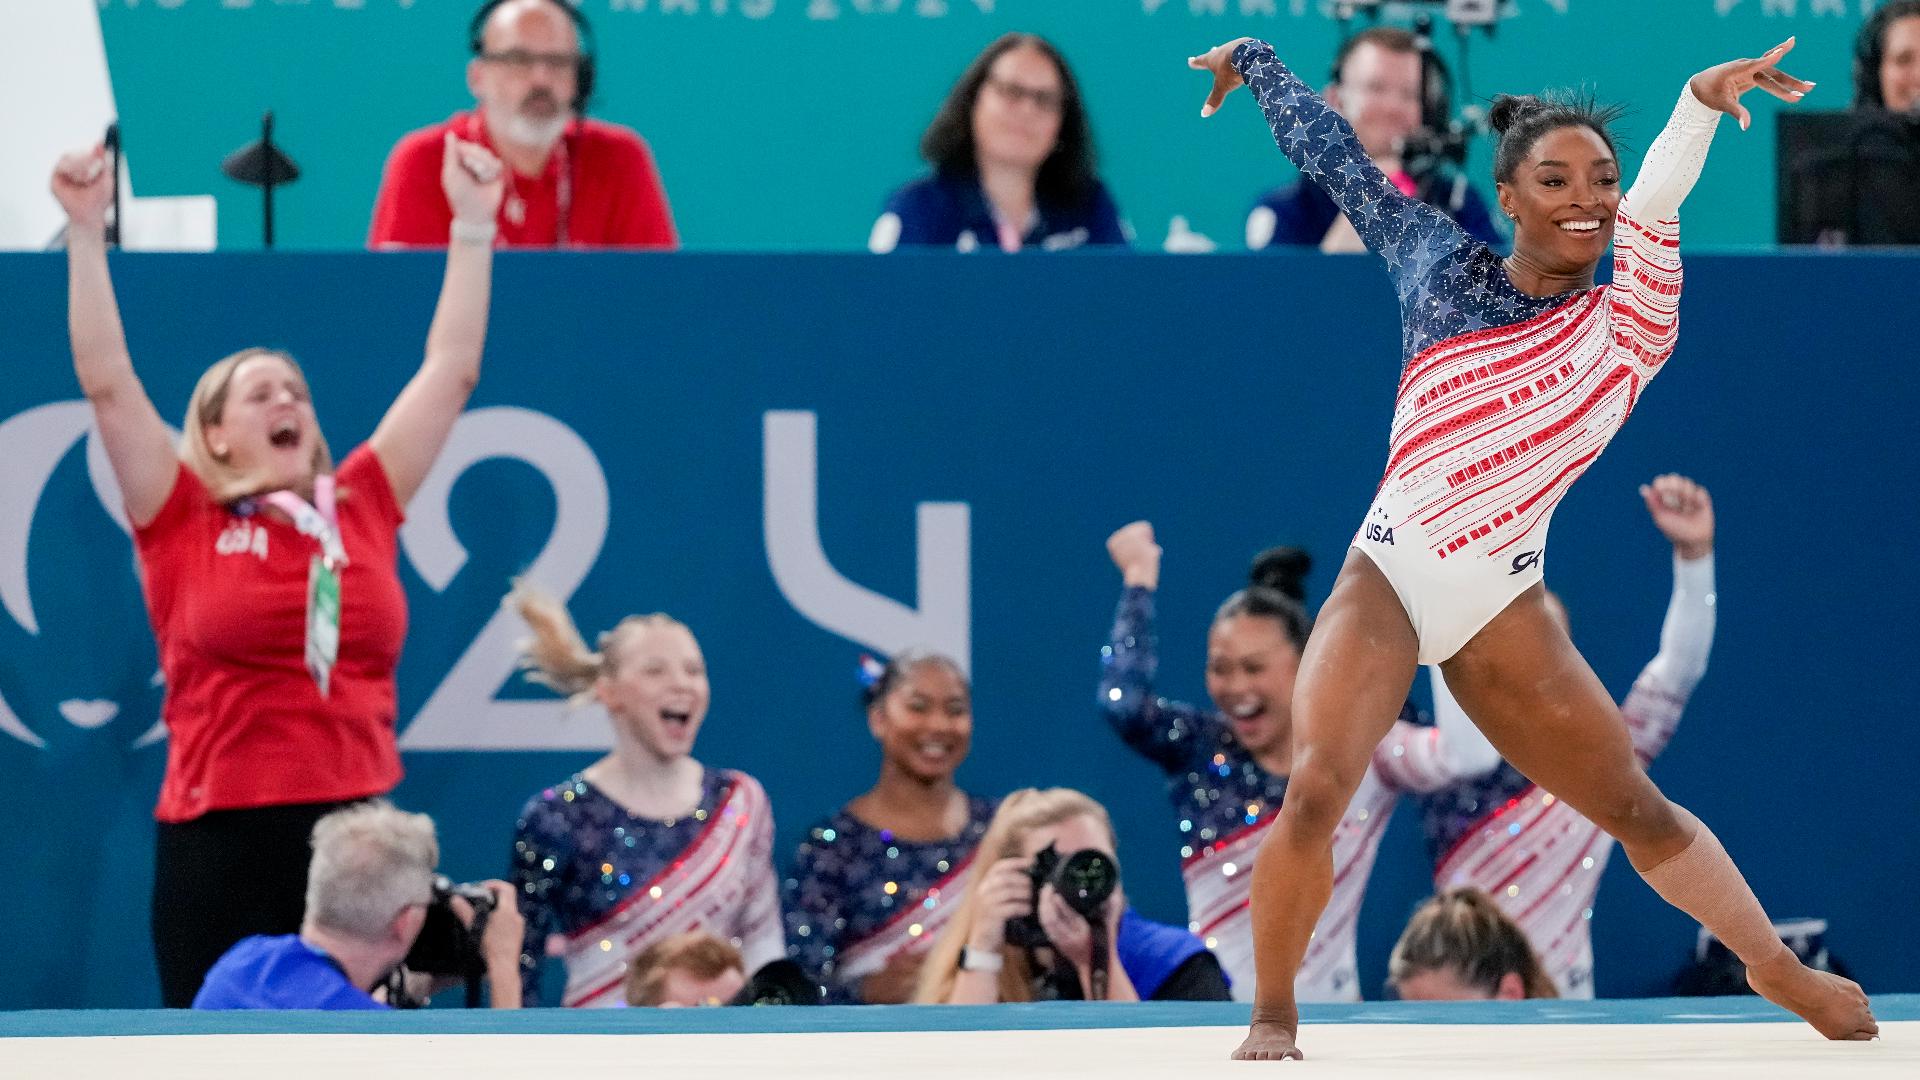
(1354, 677)
(1530, 691)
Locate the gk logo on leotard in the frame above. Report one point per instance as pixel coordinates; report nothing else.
(1375, 532)
(1525, 561)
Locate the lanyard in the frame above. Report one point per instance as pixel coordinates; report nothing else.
(319, 519)
(565, 194)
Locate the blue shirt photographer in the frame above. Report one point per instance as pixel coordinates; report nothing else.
(282, 972)
(1168, 963)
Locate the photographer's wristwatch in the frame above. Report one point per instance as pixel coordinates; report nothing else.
(974, 960)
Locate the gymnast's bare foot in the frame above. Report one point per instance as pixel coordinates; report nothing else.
(1271, 1036)
(1836, 1007)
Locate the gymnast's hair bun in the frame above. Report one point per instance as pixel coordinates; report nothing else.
(1282, 569)
(1510, 109)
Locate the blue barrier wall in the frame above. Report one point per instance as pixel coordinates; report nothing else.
(1055, 399)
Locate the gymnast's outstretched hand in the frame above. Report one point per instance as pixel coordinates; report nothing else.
(1218, 60)
(1719, 87)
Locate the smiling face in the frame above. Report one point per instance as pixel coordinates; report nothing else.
(1251, 665)
(1562, 198)
(1379, 94)
(1900, 65)
(924, 723)
(657, 689)
(1016, 115)
(527, 73)
(264, 426)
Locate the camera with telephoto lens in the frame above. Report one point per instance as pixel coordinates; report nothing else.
(445, 945)
(1084, 879)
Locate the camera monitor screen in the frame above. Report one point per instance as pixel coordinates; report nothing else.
(1848, 178)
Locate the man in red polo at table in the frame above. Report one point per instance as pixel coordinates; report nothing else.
(571, 182)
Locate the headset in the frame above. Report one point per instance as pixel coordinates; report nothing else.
(1436, 79)
(583, 72)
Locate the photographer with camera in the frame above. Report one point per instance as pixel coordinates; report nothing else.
(371, 890)
(1380, 84)
(1046, 919)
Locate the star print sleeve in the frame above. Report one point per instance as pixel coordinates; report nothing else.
(1322, 144)
(534, 875)
(1645, 293)
(1165, 732)
(812, 902)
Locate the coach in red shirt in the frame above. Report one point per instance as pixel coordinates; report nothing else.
(571, 182)
(271, 578)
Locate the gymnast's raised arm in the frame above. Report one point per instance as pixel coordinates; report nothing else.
(1319, 141)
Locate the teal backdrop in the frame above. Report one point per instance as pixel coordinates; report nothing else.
(783, 124)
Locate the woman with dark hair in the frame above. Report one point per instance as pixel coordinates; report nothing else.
(1459, 946)
(270, 575)
(1886, 59)
(1517, 372)
(872, 883)
(1227, 767)
(1013, 162)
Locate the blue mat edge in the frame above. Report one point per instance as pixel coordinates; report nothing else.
(105, 1022)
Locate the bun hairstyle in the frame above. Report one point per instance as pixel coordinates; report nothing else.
(1465, 932)
(878, 679)
(1276, 589)
(1519, 120)
(1870, 51)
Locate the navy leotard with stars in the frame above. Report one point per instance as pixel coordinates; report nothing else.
(1448, 283)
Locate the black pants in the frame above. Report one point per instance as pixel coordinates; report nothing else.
(224, 876)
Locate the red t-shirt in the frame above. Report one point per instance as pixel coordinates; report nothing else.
(227, 595)
(616, 198)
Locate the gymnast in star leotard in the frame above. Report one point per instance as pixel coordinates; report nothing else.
(1515, 374)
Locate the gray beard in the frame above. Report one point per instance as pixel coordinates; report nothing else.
(537, 134)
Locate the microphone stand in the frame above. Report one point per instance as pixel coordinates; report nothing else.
(111, 143)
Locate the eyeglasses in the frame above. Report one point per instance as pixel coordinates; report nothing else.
(524, 60)
(1045, 100)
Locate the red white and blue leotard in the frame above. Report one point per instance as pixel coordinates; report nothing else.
(1505, 398)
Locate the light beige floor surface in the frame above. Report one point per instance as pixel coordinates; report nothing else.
(1480, 1052)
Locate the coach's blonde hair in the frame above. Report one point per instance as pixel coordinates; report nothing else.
(1465, 932)
(557, 656)
(205, 409)
(1019, 814)
(696, 952)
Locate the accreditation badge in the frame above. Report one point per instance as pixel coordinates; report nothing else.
(323, 621)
